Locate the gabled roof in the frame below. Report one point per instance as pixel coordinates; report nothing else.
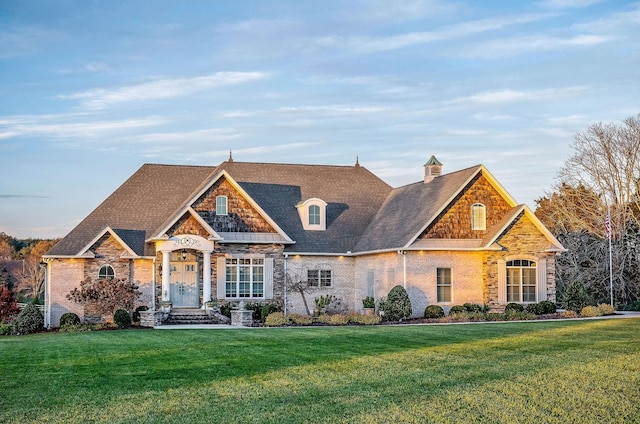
(353, 195)
(140, 205)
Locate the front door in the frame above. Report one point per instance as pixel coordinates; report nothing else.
(184, 284)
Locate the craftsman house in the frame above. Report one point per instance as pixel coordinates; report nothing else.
(248, 231)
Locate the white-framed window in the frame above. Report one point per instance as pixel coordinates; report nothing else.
(314, 215)
(106, 271)
(521, 280)
(244, 278)
(478, 217)
(444, 285)
(221, 205)
(319, 278)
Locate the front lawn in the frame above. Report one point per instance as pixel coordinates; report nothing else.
(571, 371)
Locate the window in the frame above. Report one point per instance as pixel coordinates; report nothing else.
(319, 277)
(443, 283)
(244, 277)
(106, 271)
(314, 215)
(521, 281)
(221, 205)
(478, 217)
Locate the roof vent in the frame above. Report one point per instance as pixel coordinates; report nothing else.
(432, 169)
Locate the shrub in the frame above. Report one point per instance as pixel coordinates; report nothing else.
(77, 328)
(69, 318)
(513, 307)
(535, 308)
(104, 296)
(633, 306)
(267, 309)
(29, 320)
(606, 309)
(338, 319)
(300, 319)
(364, 319)
(122, 318)
(519, 316)
(575, 297)
(548, 307)
(591, 311)
(6, 329)
(569, 313)
(495, 316)
(472, 307)
(323, 319)
(225, 309)
(457, 309)
(8, 306)
(397, 305)
(275, 319)
(368, 302)
(136, 313)
(433, 311)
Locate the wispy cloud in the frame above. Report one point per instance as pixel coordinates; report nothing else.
(532, 43)
(100, 98)
(567, 4)
(22, 40)
(511, 96)
(87, 68)
(22, 196)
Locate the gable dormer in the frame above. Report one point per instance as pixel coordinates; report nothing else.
(432, 169)
(313, 214)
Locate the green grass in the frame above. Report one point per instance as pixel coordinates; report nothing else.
(555, 372)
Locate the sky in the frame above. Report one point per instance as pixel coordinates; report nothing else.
(92, 90)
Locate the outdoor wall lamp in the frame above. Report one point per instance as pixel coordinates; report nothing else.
(184, 254)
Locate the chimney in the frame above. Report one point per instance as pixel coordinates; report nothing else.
(432, 169)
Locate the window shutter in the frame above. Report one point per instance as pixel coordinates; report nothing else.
(221, 277)
(502, 281)
(268, 278)
(542, 280)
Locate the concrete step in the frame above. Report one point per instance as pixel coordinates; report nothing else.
(190, 316)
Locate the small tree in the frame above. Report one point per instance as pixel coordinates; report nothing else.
(8, 307)
(397, 305)
(105, 295)
(575, 297)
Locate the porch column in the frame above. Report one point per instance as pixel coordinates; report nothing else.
(166, 275)
(206, 277)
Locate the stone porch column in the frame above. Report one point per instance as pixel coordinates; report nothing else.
(166, 275)
(206, 277)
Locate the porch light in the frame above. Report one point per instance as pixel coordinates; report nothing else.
(184, 254)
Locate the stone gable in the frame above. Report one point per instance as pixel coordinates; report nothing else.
(188, 225)
(108, 251)
(455, 222)
(241, 216)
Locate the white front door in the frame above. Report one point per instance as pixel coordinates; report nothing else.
(184, 284)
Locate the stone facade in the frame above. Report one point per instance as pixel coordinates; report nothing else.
(455, 222)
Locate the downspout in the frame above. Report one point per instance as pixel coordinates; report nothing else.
(286, 255)
(153, 286)
(47, 297)
(404, 267)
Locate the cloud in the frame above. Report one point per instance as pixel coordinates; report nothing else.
(512, 96)
(98, 99)
(23, 40)
(532, 43)
(567, 4)
(91, 67)
(22, 196)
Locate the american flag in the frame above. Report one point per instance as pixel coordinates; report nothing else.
(607, 225)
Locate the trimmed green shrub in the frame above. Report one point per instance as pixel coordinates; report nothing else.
(633, 306)
(121, 318)
(433, 311)
(591, 311)
(457, 309)
(396, 306)
(267, 309)
(136, 313)
(300, 319)
(606, 309)
(514, 307)
(535, 308)
(29, 320)
(548, 307)
(518, 316)
(276, 319)
(69, 318)
(575, 297)
(6, 329)
(368, 302)
(472, 307)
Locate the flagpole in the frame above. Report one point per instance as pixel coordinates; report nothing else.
(610, 253)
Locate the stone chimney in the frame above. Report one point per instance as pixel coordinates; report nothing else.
(432, 169)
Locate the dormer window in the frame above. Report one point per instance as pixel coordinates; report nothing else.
(478, 217)
(221, 205)
(313, 214)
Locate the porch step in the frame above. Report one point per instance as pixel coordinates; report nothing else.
(190, 316)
